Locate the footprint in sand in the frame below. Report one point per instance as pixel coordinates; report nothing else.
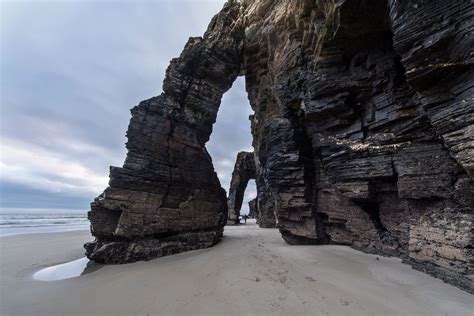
(343, 302)
(282, 279)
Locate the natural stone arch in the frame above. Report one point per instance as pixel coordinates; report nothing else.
(360, 137)
(167, 198)
(244, 171)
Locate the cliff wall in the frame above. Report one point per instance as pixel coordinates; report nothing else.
(363, 134)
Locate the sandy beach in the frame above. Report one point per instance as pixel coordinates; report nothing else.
(251, 272)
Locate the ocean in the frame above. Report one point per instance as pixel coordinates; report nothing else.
(28, 221)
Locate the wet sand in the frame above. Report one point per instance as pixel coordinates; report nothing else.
(251, 272)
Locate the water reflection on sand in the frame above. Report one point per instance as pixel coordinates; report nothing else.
(67, 270)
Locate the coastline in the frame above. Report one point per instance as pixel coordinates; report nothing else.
(19, 221)
(252, 271)
(15, 231)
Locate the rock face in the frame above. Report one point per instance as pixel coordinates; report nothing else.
(363, 134)
(245, 170)
(253, 208)
(167, 197)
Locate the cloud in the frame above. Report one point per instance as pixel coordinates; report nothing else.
(40, 169)
(69, 76)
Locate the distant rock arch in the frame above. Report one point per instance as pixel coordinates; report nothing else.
(244, 171)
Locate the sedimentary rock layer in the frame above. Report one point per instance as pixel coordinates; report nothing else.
(166, 198)
(363, 134)
(244, 170)
(363, 126)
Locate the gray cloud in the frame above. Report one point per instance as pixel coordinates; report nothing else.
(70, 72)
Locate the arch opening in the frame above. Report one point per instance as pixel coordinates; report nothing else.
(249, 206)
(230, 147)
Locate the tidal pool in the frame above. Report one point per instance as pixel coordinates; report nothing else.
(66, 270)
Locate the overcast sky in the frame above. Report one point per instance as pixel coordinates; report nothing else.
(70, 72)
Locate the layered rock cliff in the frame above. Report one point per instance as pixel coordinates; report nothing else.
(363, 134)
(167, 198)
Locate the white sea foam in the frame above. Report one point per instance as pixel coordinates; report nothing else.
(41, 221)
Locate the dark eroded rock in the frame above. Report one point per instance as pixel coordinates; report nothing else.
(253, 208)
(244, 170)
(167, 198)
(363, 135)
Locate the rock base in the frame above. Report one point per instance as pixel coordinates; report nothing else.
(128, 251)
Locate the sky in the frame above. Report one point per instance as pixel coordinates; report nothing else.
(70, 72)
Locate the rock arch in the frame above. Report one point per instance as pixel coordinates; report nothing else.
(245, 170)
(362, 134)
(167, 198)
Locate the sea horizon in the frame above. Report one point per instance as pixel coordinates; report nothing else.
(19, 221)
